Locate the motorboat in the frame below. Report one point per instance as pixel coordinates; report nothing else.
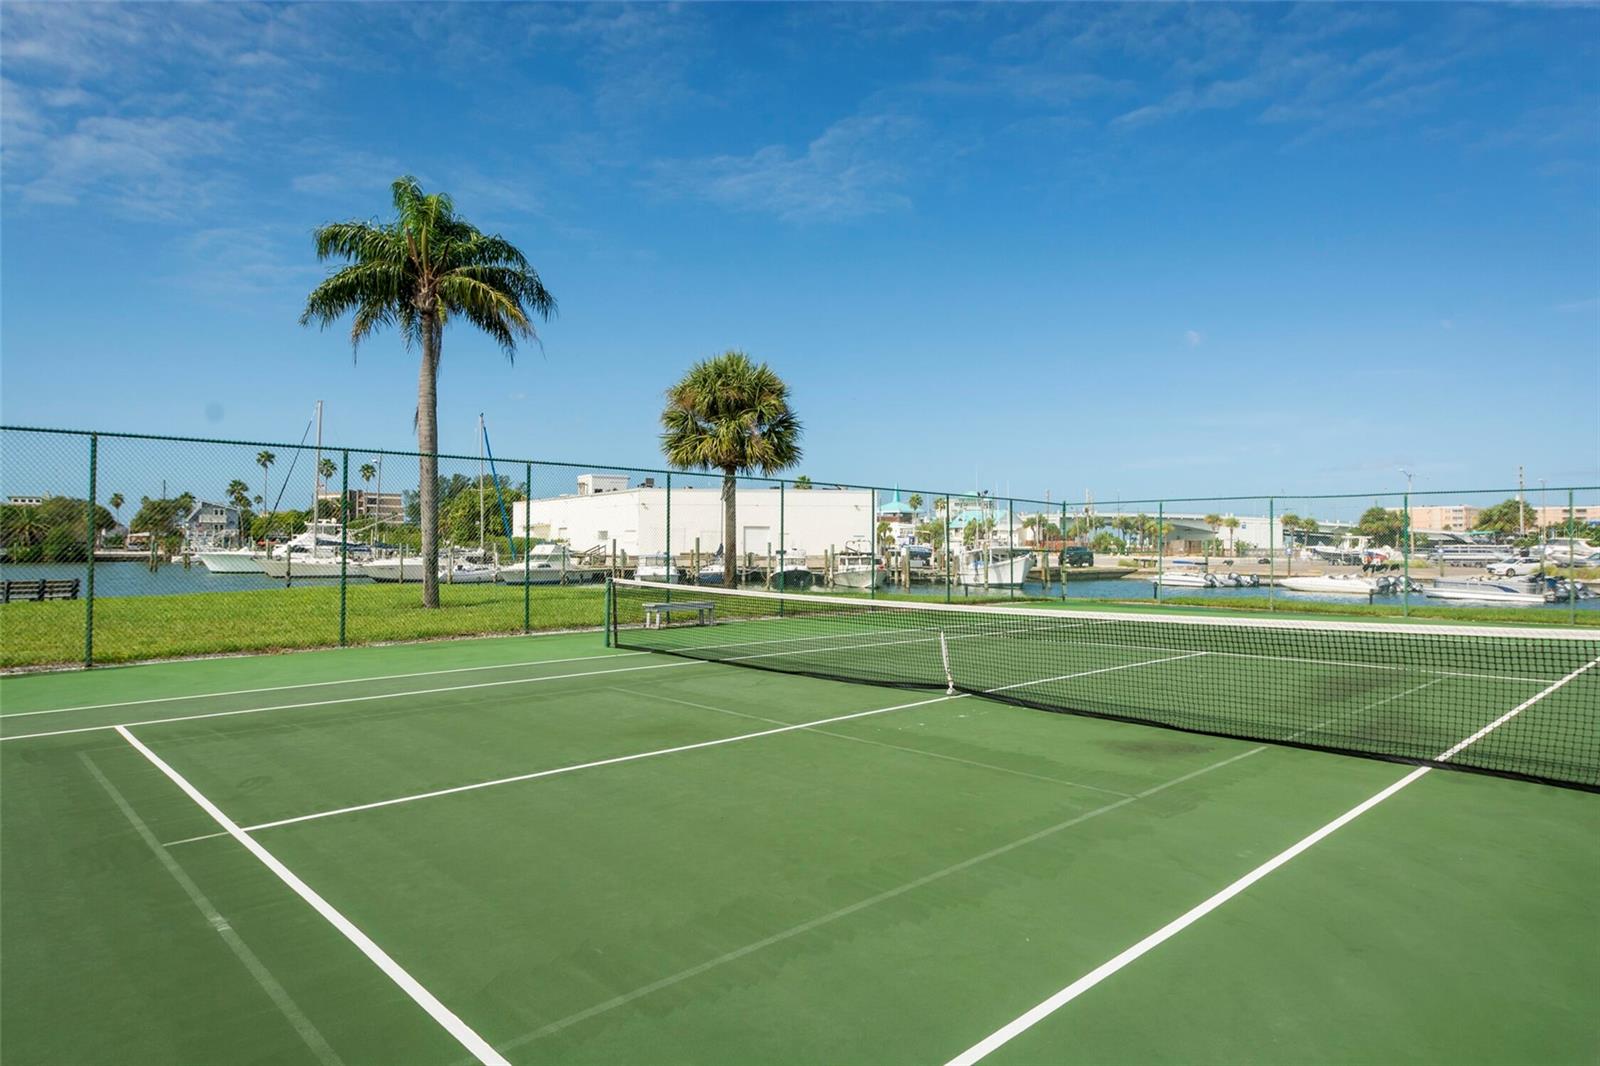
(229, 560)
(1330, 585)
(1501, 593)
(856, 569)
(1186, 579)
(658, 567)
(995, 567)
(791, 572)
(551, 564)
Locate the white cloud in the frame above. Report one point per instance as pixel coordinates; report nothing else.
(849, 171)
(1193, 337)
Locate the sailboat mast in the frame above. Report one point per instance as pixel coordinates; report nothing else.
(316, 473)
(480, 485)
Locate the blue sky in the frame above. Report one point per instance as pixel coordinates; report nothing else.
(1136, 250)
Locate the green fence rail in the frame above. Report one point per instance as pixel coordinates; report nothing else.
(120, 547)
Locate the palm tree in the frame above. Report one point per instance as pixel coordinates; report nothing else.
(416, 273)
(914, 501)
(1232, 523)
(732, 415)
(238, 493)
(368, 472)
(265, 460)
(116, 504)
(802, 482)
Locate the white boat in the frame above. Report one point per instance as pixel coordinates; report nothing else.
(394, 568)
(1187, 579)
(658, 567)
(550, 564)
(995, 567)
(791, 572)
(461, 572)
(858, 570)
(457, 571)
(230, 560)
(1330, 585)
(1501, 593)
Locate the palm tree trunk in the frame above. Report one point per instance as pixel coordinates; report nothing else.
(428, 445)
(730, 526)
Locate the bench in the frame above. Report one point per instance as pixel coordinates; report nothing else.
(658, 614)
(38, 589)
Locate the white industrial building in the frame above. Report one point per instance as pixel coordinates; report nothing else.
(607, 508)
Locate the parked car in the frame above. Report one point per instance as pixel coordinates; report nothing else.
(1077, 557)
(1514, 567)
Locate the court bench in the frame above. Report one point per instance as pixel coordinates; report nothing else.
(658, 614)
(37, 589)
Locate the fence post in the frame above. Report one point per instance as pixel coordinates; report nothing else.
(611, 616)
(88, 597)
(1572, 560)
(1405, 555)
(946, 549)
(1011, 547)
(872, 520)
(344, 541)
(1161, 545)
(783, 545)
(1272, 554)
(527, 541)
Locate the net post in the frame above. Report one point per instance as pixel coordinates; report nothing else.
(1272, 553)
(344, 540)
(611, 610)
(527, 542)
(1061, 572)
(88, 598)
(671, 561)
(1161, 545)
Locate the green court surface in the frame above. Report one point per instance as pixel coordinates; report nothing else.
(542, 850)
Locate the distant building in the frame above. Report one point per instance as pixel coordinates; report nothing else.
(379, 506)
(211, 525)
(606, 508)
(1584, 514)
(25, 501)
(1446, 518)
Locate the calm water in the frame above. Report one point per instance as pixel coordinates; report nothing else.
(1116, 588)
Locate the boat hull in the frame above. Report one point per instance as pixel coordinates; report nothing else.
(242, 561)
(996, 573)
(865, 577)
(322, 567)
(1486, 595)
(1329, 586)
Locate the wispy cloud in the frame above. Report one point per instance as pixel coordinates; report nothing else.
(1193, 338)
(1575, 306)
(851, 169)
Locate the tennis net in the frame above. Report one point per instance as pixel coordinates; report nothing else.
(1520, 702)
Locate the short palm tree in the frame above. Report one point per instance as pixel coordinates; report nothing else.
(732, 415)
(416, 273)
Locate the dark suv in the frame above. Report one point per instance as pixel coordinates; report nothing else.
(1077, 557)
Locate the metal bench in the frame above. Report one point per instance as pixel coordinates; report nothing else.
(38, 589)
(658, 614)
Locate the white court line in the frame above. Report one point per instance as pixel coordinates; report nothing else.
(1028, 1020)
(314, 1040)
(446, 1018)
(355, 699)
(636, 756)
(862, 904)
(313, 684)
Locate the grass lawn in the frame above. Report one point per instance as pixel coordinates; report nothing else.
(134, 628)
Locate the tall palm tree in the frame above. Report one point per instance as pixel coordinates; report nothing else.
(1231, 523)
(416, 273)
(116, 502)
(914, 501)
(732, 415)
(265, 460)
(368, 472)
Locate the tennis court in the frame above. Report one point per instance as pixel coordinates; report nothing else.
(713, 843)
